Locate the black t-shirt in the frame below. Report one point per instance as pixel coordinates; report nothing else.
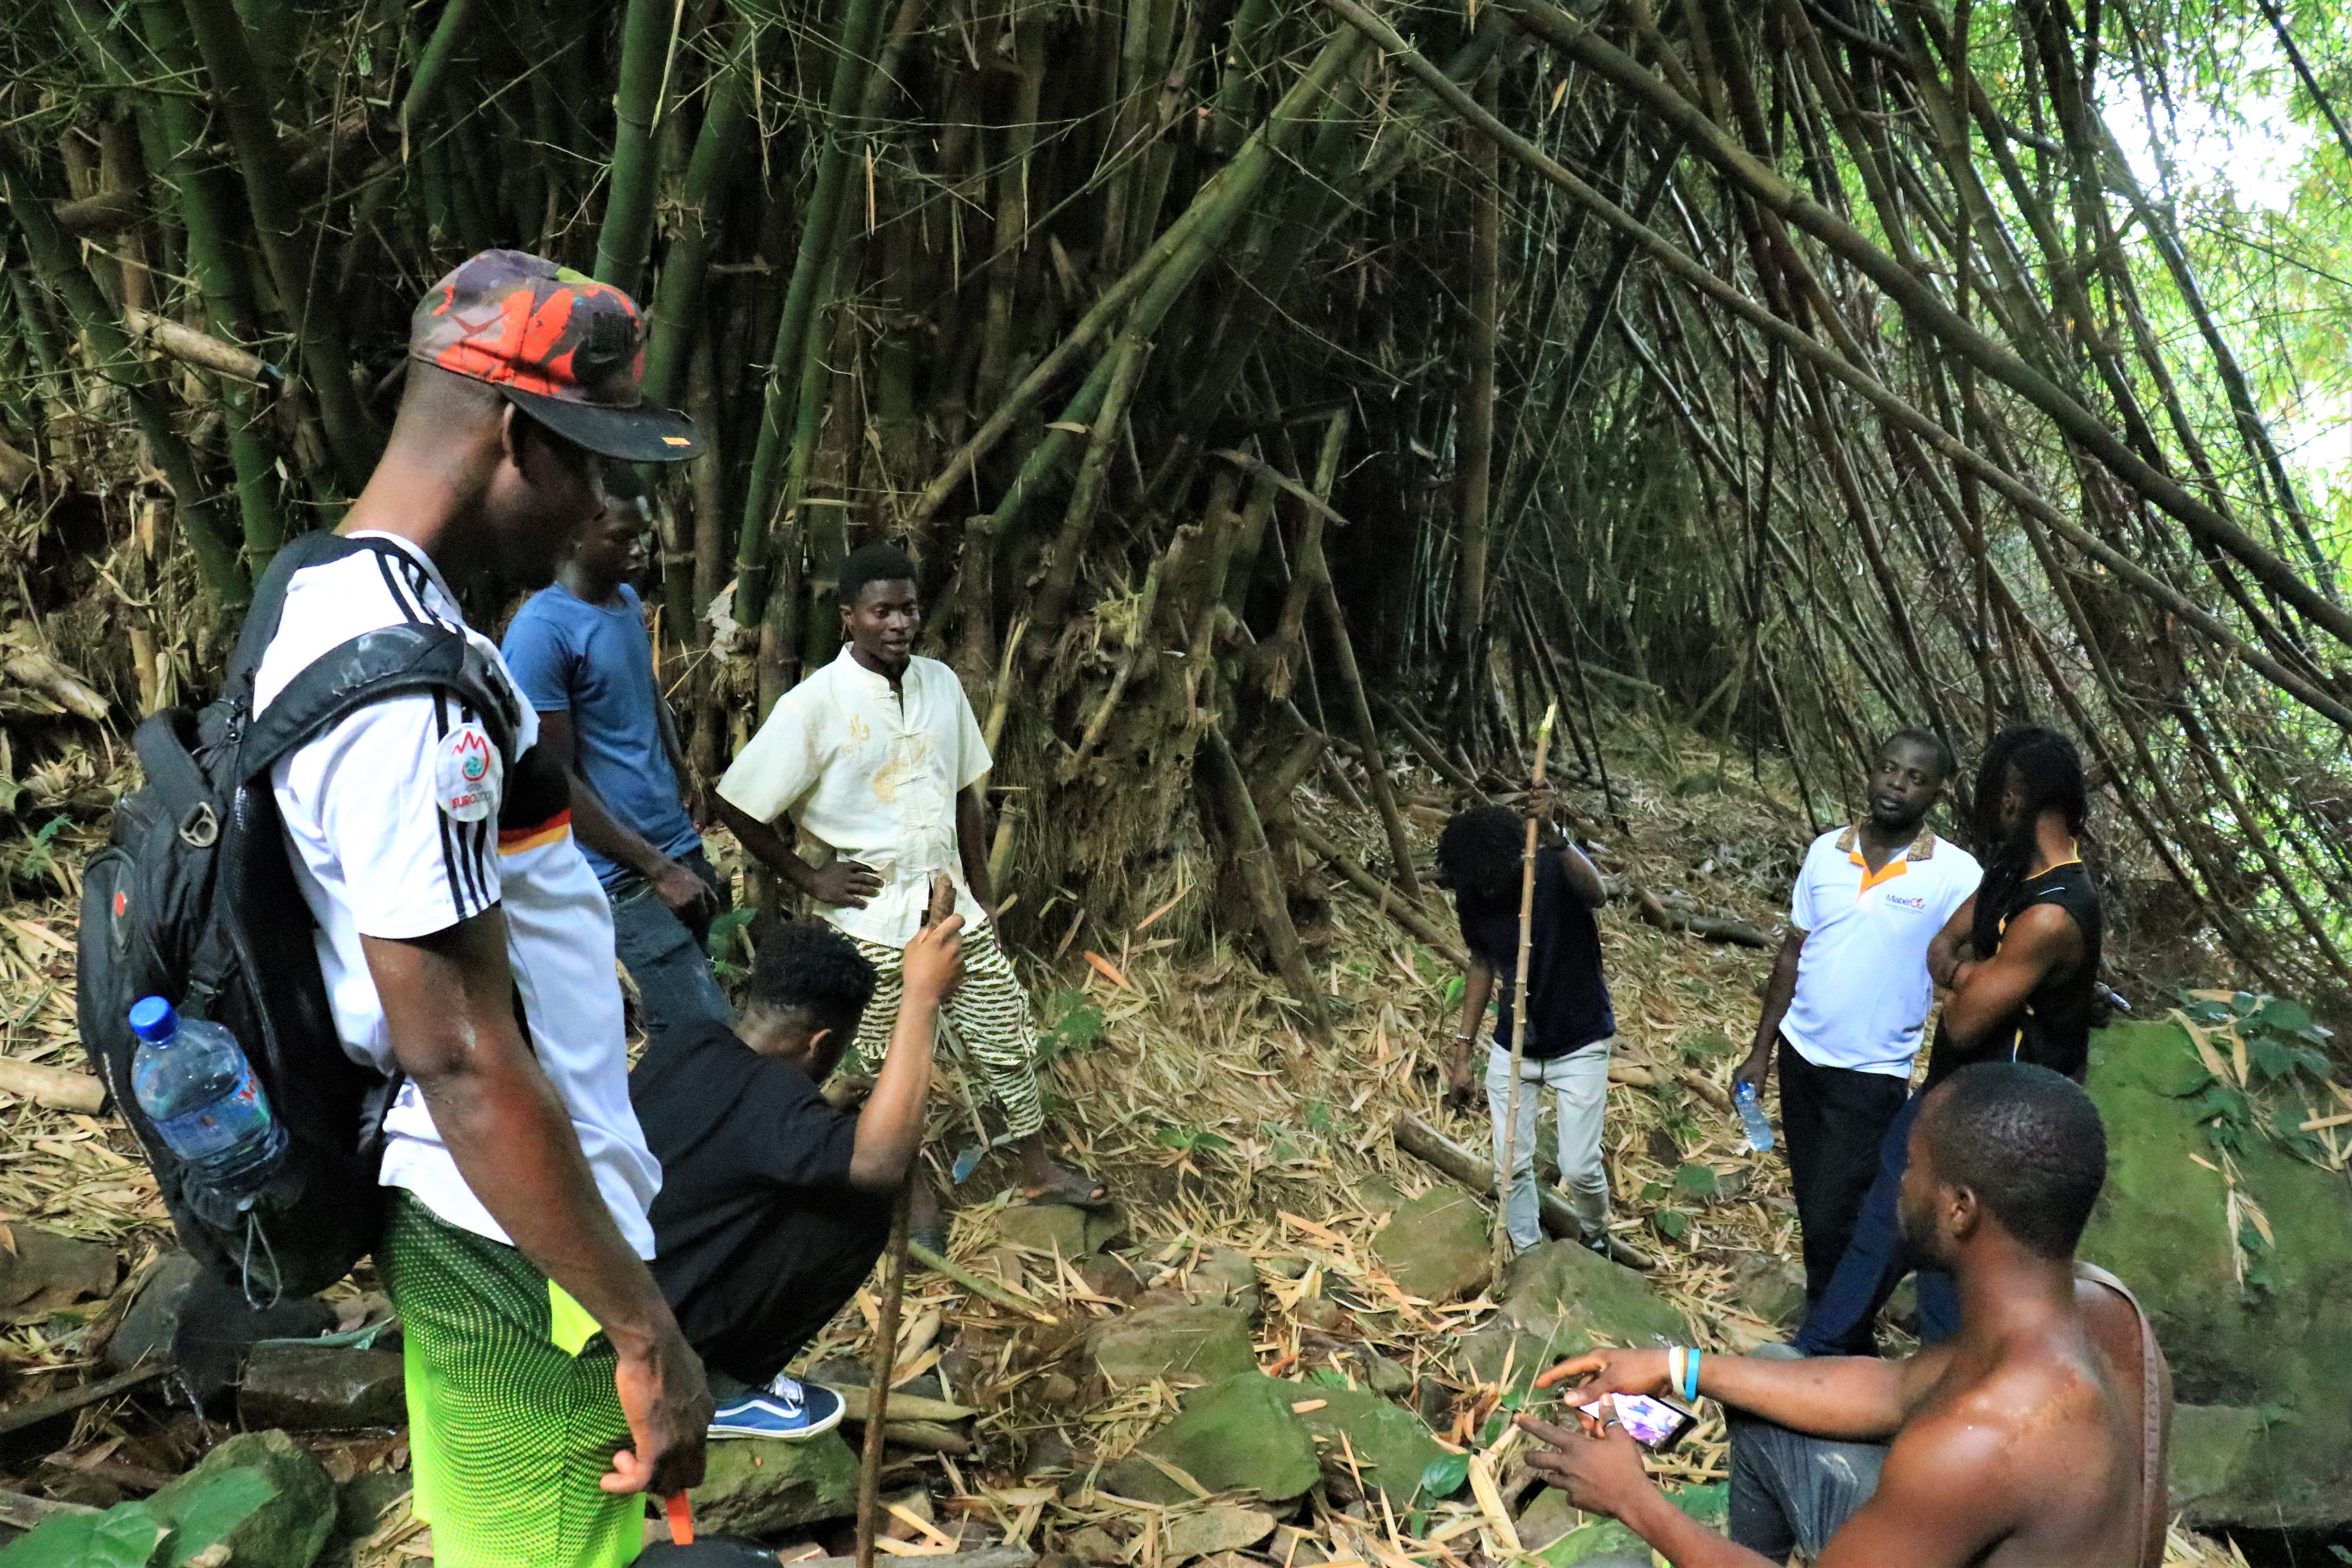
(1570, 999)
(759, 1237)
(2051, 1027)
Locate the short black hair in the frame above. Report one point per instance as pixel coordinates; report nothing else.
(1936, 746)
(808, 967)
(1479, 851)
(623, 482)
(2028, 1143)
(871, 563)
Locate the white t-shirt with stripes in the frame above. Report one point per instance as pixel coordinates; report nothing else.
(392, 817)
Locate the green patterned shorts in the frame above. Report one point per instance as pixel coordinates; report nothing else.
(512, 1416)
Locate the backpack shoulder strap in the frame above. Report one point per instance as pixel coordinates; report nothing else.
(390, 661)
(2151, 1410)
(269, 607)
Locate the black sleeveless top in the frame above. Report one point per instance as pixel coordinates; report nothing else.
(2051, 1027)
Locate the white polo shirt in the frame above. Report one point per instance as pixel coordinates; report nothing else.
(394, 817)
(874, 775)
(1863, 991)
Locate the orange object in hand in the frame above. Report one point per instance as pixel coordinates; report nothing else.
(681, 1519)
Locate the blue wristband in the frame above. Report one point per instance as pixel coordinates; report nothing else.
(1690, 1375)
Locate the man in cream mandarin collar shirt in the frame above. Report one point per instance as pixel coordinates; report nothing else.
(877, 756)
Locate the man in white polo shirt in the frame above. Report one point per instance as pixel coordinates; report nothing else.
(1849, 993)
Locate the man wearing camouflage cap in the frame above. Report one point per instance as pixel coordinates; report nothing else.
(468, 948)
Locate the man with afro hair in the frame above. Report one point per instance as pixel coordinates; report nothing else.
(1568, 1017)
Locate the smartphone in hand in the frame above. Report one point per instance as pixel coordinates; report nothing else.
(1652, 1423)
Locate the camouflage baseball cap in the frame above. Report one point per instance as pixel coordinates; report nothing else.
(563, 348)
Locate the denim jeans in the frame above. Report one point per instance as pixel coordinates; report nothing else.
(1791, 1491)
(1580, 1086)
(1839, 1322)
(664, 956)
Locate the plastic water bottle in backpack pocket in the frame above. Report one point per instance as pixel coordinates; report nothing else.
(193, 1080)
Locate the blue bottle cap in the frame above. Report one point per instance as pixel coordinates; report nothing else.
(153, 1020)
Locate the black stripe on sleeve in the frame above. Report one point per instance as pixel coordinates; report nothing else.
(441, 818)
(410, 611)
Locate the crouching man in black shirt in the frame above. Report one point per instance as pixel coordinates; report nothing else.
(774, 1204)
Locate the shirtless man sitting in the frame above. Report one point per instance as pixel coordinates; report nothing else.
(2024, 1441)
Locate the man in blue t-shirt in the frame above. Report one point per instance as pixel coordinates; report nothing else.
(580, 651)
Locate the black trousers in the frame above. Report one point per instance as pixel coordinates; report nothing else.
(1835, 1119)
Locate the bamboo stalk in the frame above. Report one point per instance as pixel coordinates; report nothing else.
(1521, 1006)
(1386, 897)
(1896, 409)
(647, 47)
(1923, 306)
(1254, 859)
(717, 142)
(852, 51)
(243, 97)
(114, 359)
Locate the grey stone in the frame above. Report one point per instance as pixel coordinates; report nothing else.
(360, 1502)
(272, 1505)
(1387, 1378)
(1225, 1277)
(1222, 1527)
(1048, 1227)
(1770, 1287)
(42, 1272)
(1199, 1344)
(320, 1388)
(754, 1485)
(203, 1326)
(1436, 1247)
(1547, 1518)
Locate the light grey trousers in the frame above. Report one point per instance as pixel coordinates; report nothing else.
(1579, 1082)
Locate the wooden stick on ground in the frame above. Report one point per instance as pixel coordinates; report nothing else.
(1519, 1010)
(886, 1355)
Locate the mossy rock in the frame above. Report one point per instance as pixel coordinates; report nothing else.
(1196, 1343)
(126, 1536)
(1605, 1543)
(752, 1487)
(2274, 1446)
(1571, 1299)
(1437, 1246)
(1235, 1434)
(270, 1503)
(1391, 1446)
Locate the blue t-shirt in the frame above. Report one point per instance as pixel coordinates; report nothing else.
(596, 664)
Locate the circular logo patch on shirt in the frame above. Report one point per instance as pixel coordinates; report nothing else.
(465, 773)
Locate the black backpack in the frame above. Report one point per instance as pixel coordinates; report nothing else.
(194, 900)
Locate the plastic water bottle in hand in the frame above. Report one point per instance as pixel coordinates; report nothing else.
(1752, 1118)
(192, 1079)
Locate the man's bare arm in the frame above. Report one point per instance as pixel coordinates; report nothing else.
(1948, 1492)
(1857, 1399)
(1945, 948)
(2041, 942)
(448, 1003)
(1779, 992)
(972, 845)
(844, 883)
(599, 829)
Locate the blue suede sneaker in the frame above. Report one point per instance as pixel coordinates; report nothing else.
(786, 1409)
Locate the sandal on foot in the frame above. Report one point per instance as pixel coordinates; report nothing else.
(1077, 1192)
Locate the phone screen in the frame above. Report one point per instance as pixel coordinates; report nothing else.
(1652, 1423)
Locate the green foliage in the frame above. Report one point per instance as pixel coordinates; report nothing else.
(724, 940)
(1445, 1476)
(1190, 1139)
(1696, 1182)
(1077, 1024)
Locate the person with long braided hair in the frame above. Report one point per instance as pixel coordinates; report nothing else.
(2021, 959)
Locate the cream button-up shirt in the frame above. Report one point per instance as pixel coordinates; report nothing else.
(874, 775)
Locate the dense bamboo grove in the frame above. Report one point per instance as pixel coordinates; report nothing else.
(1263, 385)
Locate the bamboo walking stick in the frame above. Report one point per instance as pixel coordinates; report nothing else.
(1518, 1011)
(885, 1325)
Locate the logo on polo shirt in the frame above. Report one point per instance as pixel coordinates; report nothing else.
(1916, 905)
(465, 773)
